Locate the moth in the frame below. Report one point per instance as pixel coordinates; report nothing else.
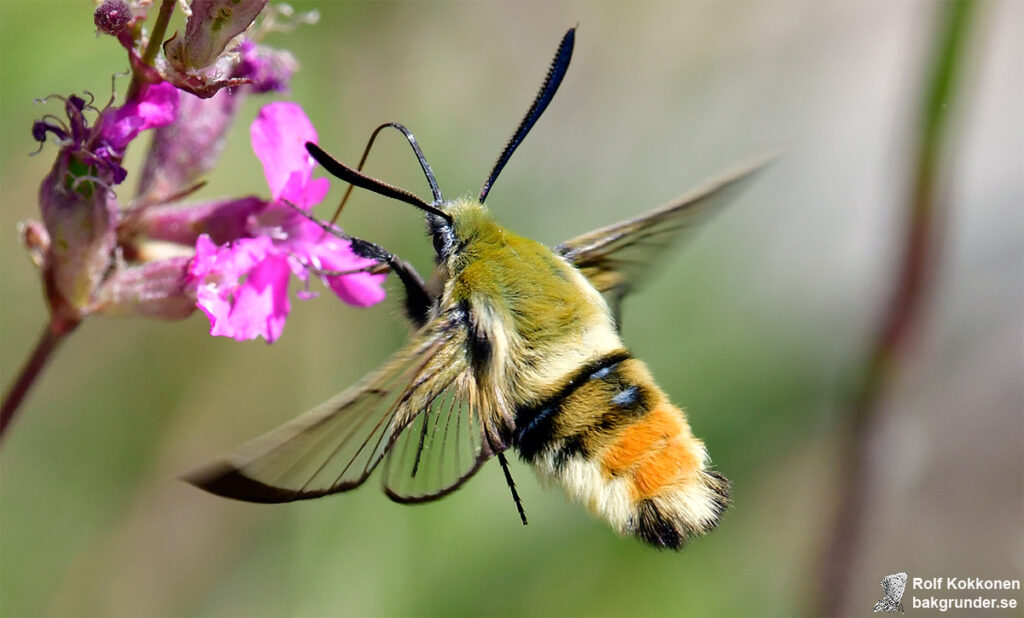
(515, 346)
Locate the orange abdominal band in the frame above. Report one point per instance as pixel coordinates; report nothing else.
(654, 451)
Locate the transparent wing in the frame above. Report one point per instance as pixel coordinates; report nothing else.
(335, 446)
(441, 448)
(616, 258)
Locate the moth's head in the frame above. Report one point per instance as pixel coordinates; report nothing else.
(442, 234)
(469, 220)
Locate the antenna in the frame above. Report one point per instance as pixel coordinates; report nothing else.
(427, 171)
(559, 66)
(346, 173)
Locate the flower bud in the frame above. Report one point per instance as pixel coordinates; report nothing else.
(208, 31)
(268, 69)
(188, 147)
(153, 290)
(112, 17)
(223, 221)
(80, 214)
(35, 239)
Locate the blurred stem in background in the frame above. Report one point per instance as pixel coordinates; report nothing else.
(916, 269)
(52, 336)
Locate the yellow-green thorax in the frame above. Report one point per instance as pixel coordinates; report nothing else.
(540, 315)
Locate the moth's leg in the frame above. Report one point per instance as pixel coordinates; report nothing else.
(417, 299)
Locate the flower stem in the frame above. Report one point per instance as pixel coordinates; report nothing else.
(156, 39)
(159, 30)
(845, 536)
(48, 341)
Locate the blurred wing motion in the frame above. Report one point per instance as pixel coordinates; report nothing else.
(616, 258)
(441, 448)
(335, 446)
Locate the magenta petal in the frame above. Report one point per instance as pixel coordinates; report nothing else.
(205, 250)
(261, 305)
(293, 190)
(316, 191)
(360, 289)
(333, 254)
(255, 307)
(279, 135)
(217, 310)
(305, 195)
(223, 266)
(156, 107)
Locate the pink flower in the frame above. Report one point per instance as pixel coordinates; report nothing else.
(279, 135)
(100, 147)
(242, 285)
(79, 207)
(156, 107)
(257, 306)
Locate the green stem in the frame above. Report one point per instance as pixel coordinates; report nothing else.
(48, 341)
(159, 30)
(845, 538)
(156, 39)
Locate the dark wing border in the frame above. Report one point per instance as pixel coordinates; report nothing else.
(436, 354)
(423, 451)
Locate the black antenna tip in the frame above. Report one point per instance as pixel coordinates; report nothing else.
(559, 65)
(316, 152)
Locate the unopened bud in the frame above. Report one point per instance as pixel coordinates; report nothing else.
(36, 240)
(183, 151)
(268, 69)
(212, 25)
(112, 17)
(153, 290)
(80, 214)
(222, 220)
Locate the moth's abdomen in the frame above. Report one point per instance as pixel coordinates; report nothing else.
(616, 444)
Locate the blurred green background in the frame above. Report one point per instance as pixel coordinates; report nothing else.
(758, 326)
